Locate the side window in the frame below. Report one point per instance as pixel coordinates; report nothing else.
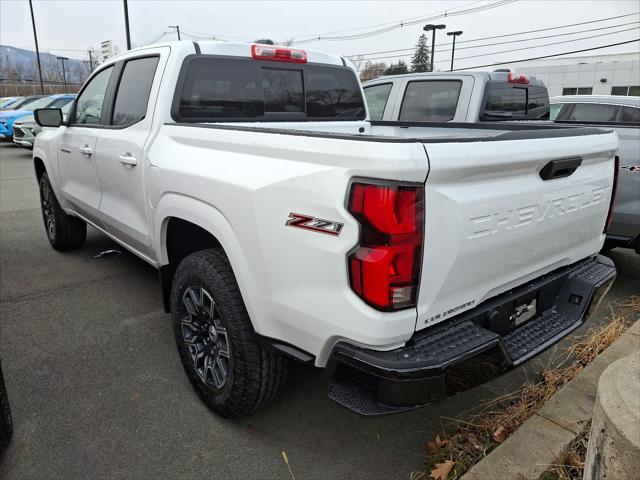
(629, 115)
(89, 107)
(134, 89)
(430, 101)
(593, 112)
(554, 110)
(377, 96)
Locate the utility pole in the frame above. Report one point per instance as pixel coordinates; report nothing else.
(453, 48)
(177, 27)
(126, 23)
(35, 37)
(90, 61)
(64, 75)
(432, 28)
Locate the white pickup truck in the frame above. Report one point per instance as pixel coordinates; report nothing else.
(411, 262)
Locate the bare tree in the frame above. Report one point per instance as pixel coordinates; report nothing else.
(372, 70)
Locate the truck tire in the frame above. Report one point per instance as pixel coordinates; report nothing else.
(64, 232)
(6, 425)
(232, 372)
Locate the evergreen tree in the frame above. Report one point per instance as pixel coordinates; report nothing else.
(422, 56)
(397, 69)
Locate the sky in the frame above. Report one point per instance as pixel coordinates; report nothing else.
(70, 27)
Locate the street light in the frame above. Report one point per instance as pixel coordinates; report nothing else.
(432, 28)
(453, 49)
(177, 28)
(64, 75)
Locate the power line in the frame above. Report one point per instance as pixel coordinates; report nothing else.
(513, 49)
(422, 17)
(521, 33)
(402, 24)
(549, 56)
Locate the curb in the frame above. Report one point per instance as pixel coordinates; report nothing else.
(528, 452)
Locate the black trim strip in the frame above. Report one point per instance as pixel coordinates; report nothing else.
(197, 47)
(517, 134)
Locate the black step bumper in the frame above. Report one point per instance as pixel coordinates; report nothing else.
(471, 348)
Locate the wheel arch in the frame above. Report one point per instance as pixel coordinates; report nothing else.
(186, 225)
(38, 165)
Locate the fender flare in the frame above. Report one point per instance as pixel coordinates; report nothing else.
(209, 218)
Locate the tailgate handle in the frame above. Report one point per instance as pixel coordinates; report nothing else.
(562, 167)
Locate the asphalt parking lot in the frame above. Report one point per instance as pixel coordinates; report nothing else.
(97, 389)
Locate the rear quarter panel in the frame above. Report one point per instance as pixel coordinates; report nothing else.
(293, 281)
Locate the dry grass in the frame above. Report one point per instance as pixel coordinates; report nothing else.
(494, 421)
(570, 464)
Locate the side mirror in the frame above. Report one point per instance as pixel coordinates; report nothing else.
(48, 117)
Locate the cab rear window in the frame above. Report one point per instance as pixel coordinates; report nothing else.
(515, 101)
(213, 88)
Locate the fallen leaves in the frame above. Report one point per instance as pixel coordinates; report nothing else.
(500, 434)
(436, 445)
(441, 471)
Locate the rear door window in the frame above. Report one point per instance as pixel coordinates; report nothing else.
(591, 112)
(629, 115)
(242, 89)
(134, 89)
(377, 96)
(430, 101)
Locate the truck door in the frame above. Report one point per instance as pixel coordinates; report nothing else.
(76, 156)
(121, 159)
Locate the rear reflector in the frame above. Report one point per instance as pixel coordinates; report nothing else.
(517, 78)
(384, 268)
(278, 54)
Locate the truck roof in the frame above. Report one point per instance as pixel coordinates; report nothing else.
(611, 99)
(236, 49)
(490, 76)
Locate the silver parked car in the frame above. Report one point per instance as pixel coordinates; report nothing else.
(622, 114)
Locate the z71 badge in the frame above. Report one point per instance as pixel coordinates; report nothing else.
(314, 224)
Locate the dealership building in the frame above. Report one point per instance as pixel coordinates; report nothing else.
(617, 74)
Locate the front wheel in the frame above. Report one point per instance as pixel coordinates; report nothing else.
(63, 231)
(232, 372)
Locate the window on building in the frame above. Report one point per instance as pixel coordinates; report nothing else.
(633, 90)
(577, 91)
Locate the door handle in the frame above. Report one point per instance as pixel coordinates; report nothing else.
(128, 160)
(86, 150)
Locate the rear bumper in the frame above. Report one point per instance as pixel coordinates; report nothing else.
(471, 348)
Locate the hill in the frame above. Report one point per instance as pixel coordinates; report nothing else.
(19, 64)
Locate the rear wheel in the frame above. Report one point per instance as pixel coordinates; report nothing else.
(232, 372)
(64, 232)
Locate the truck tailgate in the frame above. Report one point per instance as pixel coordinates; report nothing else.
(492, 222)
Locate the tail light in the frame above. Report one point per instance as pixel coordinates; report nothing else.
(384, 268)
(614, 188)
(278, 54)
(517, 78)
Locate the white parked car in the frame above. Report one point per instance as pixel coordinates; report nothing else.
(285, 225)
